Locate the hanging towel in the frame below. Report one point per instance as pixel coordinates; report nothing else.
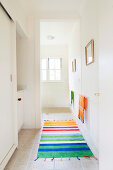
(82, 107)
(72, 97)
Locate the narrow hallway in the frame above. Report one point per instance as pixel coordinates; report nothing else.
(56, 86)
(23, 158)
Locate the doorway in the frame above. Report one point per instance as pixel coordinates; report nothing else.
(54, 66)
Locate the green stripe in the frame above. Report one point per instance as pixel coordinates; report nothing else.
(61, 136)
(64, 146)
(42, 140)
(64, 154)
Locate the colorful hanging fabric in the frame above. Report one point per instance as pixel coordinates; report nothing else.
(82, 107)
(72, 97)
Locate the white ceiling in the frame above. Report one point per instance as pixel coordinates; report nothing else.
(35, 6)
(60, 30)
(57, 4)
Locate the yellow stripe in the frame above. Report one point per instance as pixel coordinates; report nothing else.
(59, 123)
(49, 121)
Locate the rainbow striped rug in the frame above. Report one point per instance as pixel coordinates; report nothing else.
(62, 139)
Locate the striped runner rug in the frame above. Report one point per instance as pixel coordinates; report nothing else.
(62, 138)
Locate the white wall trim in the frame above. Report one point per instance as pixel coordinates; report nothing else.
(14, 83)
(37, 61)
(37, 75)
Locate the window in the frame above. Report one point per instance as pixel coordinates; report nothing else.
(44, 69)
(51, 69)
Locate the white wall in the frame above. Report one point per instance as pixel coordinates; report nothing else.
(28, 62)
(85, 81)
(106, 83)
(90, 80)
(26, 76)
(74, 53)
(55, 94)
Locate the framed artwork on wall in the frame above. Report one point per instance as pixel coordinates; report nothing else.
(74, 65)
(89, 52)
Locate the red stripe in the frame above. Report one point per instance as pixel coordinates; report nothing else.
(62, 130)
(62, 127)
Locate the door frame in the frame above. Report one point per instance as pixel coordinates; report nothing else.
(37, 62)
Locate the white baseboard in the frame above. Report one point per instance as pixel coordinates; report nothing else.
(7, 157)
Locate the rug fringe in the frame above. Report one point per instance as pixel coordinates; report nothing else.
(45, 159)
(78, 158)
(95, 157)
(36, 159)
(87, 157)
(52, 158)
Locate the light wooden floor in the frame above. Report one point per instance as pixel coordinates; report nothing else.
(56, 110)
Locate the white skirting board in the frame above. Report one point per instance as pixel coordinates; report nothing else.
(7, 157)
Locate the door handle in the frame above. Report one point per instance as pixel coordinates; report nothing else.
(97, 94)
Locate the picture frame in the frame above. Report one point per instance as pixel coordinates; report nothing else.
(74, 65)
(89, 52)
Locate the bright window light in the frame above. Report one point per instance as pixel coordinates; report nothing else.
(51, 69)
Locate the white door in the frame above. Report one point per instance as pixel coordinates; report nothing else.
(106, 84)
(6, 114)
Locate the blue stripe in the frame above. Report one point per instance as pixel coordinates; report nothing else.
(62, 138)
(61, 144)
(61, 134)
(64, 149)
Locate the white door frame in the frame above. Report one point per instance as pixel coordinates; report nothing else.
(37, 75)
(37, 63)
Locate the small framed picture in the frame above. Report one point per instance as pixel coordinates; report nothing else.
(74, 65)
(89, 52)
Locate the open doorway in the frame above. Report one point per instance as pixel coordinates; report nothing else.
(54, 58)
